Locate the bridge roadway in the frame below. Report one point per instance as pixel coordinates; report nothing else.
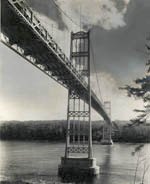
(27, 37)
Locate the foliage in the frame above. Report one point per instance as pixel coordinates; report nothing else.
(142, 162)
(56, 131)
(141, 91)
(33, 130)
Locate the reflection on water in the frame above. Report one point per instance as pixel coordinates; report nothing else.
(37, 162)
(105, 178)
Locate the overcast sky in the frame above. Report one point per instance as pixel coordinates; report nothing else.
(118, 33)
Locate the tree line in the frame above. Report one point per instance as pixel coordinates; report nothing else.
(56, 131)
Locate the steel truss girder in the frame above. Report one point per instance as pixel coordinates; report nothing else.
(25, 17)
(78, 113)
(32, 60)
(79, 35)
(76, 149)
(76, 131)
(79, 54)
(51, 44)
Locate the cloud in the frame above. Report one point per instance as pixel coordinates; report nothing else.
(108, 14)
(121, 52)
(105, 82)
(48, 8)
(121, 27)
(117, 50)
(121, 105)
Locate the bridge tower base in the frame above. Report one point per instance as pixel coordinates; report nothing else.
(78, 166)
(106, 142)
(107, 128)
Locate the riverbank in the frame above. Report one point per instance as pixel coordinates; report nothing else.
(23, 182)
(14, 182)
(55, 131)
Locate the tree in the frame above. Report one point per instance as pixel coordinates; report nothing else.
(141, 91)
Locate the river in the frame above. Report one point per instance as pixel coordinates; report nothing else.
(37, 162)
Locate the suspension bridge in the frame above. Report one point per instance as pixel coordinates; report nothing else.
(24, 33)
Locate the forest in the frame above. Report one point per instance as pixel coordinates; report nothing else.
(122, 131)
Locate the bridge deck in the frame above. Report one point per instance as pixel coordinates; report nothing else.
(26, 36)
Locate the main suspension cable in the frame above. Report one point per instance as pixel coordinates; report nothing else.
(97, 79)
(62, 11)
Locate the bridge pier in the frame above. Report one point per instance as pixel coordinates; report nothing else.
(78, 166)
(107, 128)
(106, 140)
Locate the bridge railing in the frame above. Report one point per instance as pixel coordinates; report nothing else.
(26, 12)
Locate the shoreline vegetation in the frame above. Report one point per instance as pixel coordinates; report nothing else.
(55, 131)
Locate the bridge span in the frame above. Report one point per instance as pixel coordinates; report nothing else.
(23, 33)
(24, 29)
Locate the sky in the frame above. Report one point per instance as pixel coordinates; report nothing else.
(118, 32)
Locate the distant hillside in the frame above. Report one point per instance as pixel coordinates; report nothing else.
(56, 131)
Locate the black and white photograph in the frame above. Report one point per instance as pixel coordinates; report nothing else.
(75, 91)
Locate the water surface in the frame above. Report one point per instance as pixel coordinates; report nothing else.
(37, 162)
